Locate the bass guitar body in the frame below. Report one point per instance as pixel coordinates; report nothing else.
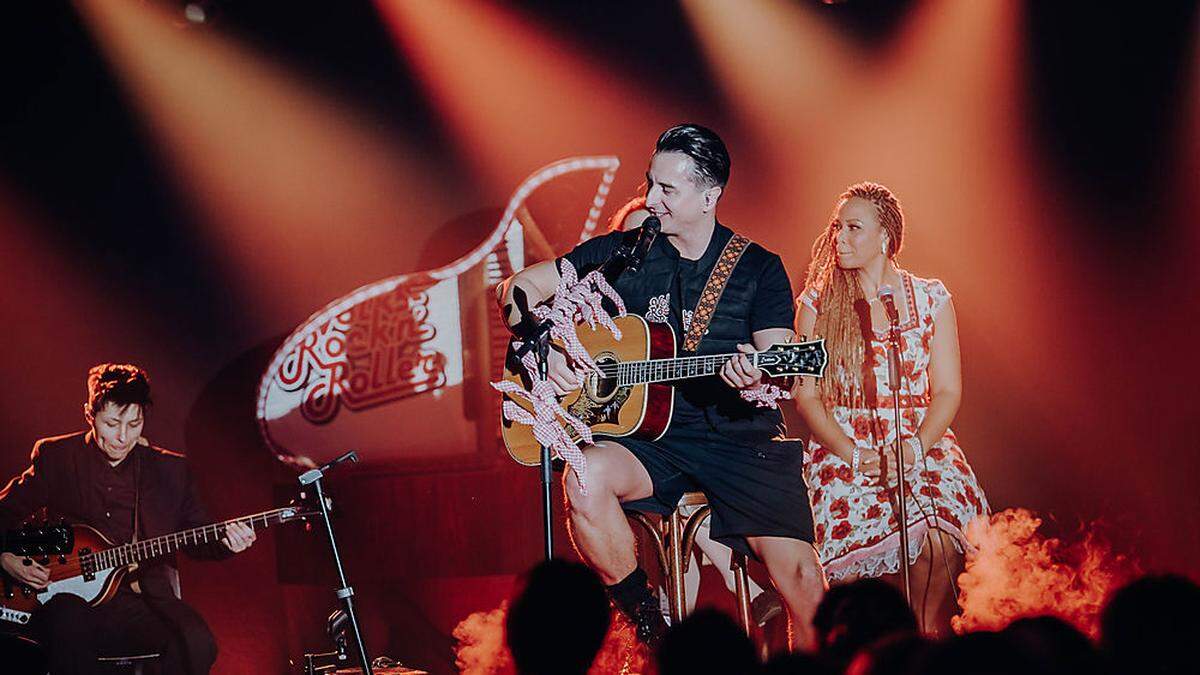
(641, 410)
(71, 572)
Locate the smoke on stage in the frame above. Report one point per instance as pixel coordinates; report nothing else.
(1018, 572)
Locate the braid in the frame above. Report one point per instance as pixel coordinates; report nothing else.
(838, 292)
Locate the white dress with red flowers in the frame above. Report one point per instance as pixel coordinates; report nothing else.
(856, 528)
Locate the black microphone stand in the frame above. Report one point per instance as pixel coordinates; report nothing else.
(901, 490)
(628, 256)
(345, 592)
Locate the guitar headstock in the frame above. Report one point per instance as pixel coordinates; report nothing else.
(785, 359)
(40, 540)
(305, 506)
(299, 509)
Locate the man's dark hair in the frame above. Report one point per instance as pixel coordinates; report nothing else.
(557, 622)
(704, 146)
(121, 384)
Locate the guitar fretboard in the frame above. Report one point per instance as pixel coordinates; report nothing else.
(629, 373)
(127, 554)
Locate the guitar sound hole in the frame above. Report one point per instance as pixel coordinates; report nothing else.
(604, 387)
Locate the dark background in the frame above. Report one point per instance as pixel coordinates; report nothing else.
(183, 196)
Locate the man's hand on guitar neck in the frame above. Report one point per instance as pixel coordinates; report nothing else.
(238, 537)
(739, 373)
(33, 575)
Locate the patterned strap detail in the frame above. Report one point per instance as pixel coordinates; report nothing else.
(713, 289)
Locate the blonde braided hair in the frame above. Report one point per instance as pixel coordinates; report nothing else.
(838, 293)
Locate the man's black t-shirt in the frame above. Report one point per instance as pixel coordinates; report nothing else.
(667, 288)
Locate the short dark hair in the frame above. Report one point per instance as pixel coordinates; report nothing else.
(704, 146)
(121, 384)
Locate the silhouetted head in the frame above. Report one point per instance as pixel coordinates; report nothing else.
(557, 621)
(1055, 644)
(979, 653)
(707, 641)
(896, 654)
(1152, 625)
(854, 615)
(796, 663)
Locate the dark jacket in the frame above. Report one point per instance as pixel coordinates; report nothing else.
(57, 481)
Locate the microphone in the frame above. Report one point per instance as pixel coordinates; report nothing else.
(651, 226)
(316, 474)
(887, 297)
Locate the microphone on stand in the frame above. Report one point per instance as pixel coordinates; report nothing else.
(888, 298)
(651, 226)
(630, 255)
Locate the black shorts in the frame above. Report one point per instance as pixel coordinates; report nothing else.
(753, 490)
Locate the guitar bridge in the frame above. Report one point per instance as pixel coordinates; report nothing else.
(87, 565)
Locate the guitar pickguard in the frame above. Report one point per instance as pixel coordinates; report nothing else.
(600, 400)
(88, 589)
(593, 411)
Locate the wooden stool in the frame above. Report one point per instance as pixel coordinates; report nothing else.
(674, 537)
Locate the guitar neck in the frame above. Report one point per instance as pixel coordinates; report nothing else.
(146, 549)
(665, 370)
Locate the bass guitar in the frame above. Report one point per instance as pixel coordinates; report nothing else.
(92, 566)
(632, 394)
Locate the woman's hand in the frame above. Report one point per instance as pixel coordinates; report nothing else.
(33, 575)
(738, 372)
(870, 461)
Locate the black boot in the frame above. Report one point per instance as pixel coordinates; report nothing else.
(651, 626)
(633, 597)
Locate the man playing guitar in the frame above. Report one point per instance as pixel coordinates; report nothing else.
(110, 478)
(716, 442)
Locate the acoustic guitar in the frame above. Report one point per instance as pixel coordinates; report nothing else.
(632, 395)
(92, 566)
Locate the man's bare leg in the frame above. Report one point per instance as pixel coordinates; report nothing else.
(598, 526)
(602, 534)
(796, 572)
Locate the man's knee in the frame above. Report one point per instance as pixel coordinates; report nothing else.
(794, 564)
(581, 500)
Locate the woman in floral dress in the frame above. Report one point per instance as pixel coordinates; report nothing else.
(851, 480)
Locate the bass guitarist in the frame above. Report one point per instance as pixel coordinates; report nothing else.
(717, 442)
(110, 478)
